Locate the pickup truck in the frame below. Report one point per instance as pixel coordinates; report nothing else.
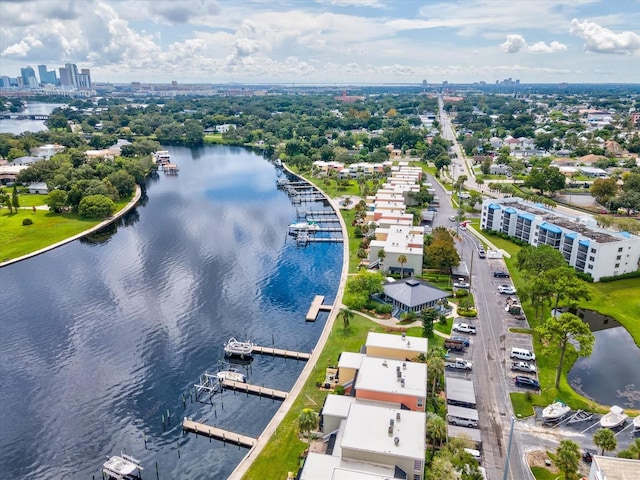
(454, 344)
(464, 328)
(523, 367)
(459, 363)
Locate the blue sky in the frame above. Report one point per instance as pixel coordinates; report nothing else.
(327, 41)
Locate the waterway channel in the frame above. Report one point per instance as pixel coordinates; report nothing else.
(8, 125)
(102, 337)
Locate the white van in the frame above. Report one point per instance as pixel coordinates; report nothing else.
(523, 354)
(462, 421)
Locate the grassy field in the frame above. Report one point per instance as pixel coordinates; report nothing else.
(282, 453)
(354, 243)
(31, 199)
(541, 473)
(47, 228)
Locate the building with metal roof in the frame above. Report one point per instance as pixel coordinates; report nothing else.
(413, 295)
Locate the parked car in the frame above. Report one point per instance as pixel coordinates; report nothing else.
(506, 289)
(522, 381)
(587, 455)
(464, 328)
(432, 209)
(501, 274)
(465, 341)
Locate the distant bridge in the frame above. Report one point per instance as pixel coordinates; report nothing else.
(22, 116)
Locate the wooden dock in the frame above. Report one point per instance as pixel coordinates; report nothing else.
(316, 306)
(254, 389)
(218, 433)
(279, 352)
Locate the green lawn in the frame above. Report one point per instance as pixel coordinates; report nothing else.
(47, 228)
(31, 199)
(282, 452)
(542, 473)
(354, 242)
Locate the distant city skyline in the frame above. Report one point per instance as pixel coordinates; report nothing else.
(326, 41)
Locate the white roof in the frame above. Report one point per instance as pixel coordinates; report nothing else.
(338, 405)
(366, 429)
(460, 390)
(612, 468)
(380, 375)
(350, 360)
(462, 412)
(397, 342)
(318, 465)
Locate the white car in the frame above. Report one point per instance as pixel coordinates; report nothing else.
(464, 328)
(506, 289)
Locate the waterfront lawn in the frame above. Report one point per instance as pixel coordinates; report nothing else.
(282, 452)
(48, 228)
(541, 473)
(354, 242)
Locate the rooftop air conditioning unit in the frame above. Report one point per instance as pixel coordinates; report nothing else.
(396, 441)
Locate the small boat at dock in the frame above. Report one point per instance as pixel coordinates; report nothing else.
(555, 411)
(122, 466)
(303, 227)
(614, 418)
(232, 374)
(238, 348)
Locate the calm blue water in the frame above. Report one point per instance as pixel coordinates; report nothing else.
(610, 376)
(101, 337)
(19, 126)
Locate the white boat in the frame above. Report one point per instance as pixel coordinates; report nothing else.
(615, 417)
(232, 374)
(238, 348)
(555, 411)
(122, 466)
(636, 423)
(303, 227)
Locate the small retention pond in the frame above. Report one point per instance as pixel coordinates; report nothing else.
(611, 375)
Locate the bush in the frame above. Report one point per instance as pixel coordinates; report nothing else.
(96, 206)
(624, 276)
(339, 390)
(461, 292)
(471, 313)
(383, 308)
(27, 221)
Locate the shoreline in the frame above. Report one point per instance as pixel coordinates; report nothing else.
(269, 430)
(132, 203)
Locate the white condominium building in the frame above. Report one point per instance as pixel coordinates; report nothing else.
(587, 248)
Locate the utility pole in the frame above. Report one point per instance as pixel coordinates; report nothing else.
(506, 465)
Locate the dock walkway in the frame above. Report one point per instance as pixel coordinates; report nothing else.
(316, 306)
(279, 352)
(254, 389)
(218, 433)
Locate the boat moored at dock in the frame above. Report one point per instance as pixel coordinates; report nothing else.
(232, 374)
(303, 227)
(238, 348)
(122, 466)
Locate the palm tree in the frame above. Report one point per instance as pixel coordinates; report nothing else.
(436, 430)
(307, 421)
(346, 315)
(402, 259)
(435, 367)
(605, 440)
(568, 458)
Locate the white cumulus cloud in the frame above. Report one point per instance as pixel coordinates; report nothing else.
(516, 43)
(513, 44)
(602, 40)
(22, 48)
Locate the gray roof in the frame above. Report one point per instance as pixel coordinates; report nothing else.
(412, 292)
